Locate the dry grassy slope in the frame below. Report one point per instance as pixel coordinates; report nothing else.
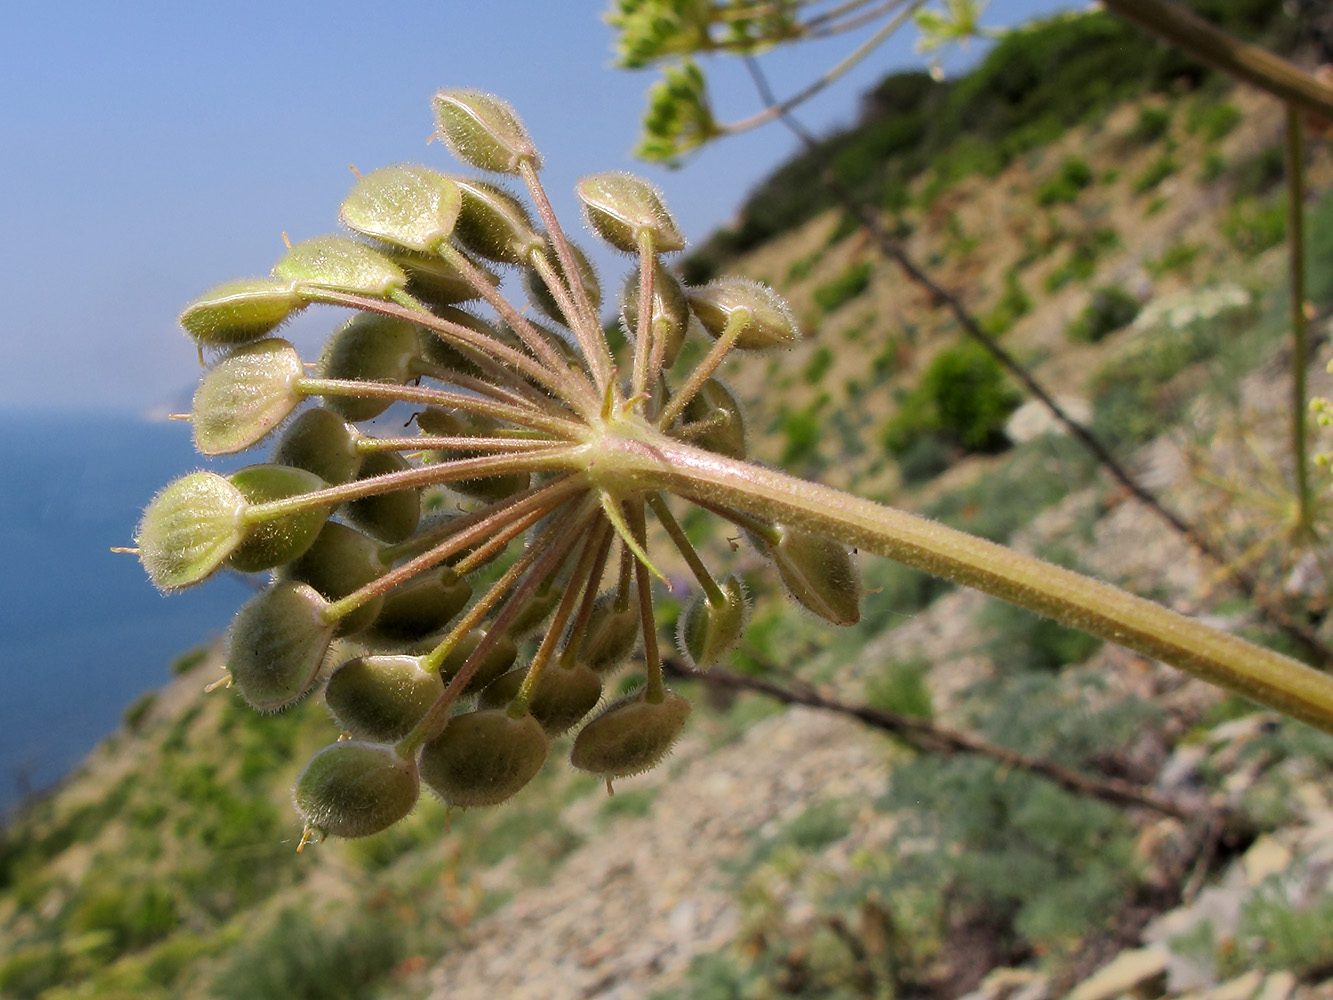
(564, 893)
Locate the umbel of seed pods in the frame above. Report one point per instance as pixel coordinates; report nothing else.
(373, 542)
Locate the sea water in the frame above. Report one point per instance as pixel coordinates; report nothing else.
(82, 631)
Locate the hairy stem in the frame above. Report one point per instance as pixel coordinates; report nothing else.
(652, 461)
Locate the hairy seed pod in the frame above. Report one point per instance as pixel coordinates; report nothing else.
(340, 264)
(278, 643)
(610, 636)
(245, 395)
(405, 206)
(437, 351)
(434, 281)
(238, 312)
(619, 207)
(820, 574)
(483, 131)
(706, 632)
(322, 442)
(339, 561)
(354, 789)
(499, 659)
(380, 698)
(390, 517)
(280, 540)
(369, 348)
(769, 322)
(437, 421)
(631, 735)
(482, 758)
(538, 609)
(563, 696)
(422, 605)
(671, 313)
(715, 403)
(494, 224)
(542, 299)
(190, 529)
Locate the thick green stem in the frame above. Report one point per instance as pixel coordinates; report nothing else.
(1299, 349)
(1256, 66)
(649, 461)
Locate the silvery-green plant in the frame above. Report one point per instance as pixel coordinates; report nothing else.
(552, 457)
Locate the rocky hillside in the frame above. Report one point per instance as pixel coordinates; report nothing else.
(1134, 261)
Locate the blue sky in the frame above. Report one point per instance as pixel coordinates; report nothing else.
(153, 150)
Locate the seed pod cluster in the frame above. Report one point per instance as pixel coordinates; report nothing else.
(446, 564)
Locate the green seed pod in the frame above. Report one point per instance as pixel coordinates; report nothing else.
(769, 319)
(538, 608)
(279, 640)
(322, 442)
(369, 348)
(380, 698)
(564, 695)
(542, 299)
(390, 517)
(500, 658)
(340, 265)
(280, 540)
(483, 131)
(610, 636)
(820, 574)
(714, 402)
(631, 735)
(237, 312)
(406, 206)
(190, 529)
(422, 605)
(671, 313)
(433, 280)
(483, 758)
(439, 352)
(448, 423)
(706, 632)
(354, 789)
(338, 562)
(245, 395)
(495, 225)
(620, 206)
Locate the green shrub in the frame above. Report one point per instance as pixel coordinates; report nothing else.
(1159, 170)
(1259, 173)
(1063, 188)
(963, 397)
(135, 712)
(1176, 258)
(1252, 226)
(800, 269)
(818, 365)
(1014, 304)
(1151, 125)
(1214, 122)
(301, 957)
(1212, 166)
(1087, 250)
(1021, 640)
(1111, 308)
(847, 286)
(900, 687)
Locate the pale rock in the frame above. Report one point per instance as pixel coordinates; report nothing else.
(1141, 971)
(1264, 858)
(1243, 987)
(1278, 986)
(1033, 419)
